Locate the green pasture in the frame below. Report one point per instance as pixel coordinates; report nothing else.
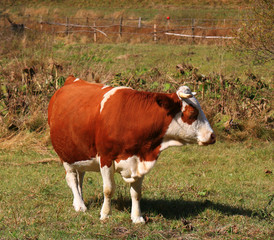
(108, 60)
(141, 58)
(224, 191)
(148, 10)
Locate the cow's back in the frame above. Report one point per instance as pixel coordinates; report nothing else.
(72, 115)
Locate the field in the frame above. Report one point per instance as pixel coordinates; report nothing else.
(144, 8)
(224, 191)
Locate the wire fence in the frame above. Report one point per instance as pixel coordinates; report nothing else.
(127, 29)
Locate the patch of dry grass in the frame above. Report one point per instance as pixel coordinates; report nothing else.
(26, 141)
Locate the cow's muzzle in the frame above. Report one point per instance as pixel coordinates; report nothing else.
(212, 140)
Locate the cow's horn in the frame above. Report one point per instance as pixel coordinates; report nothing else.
(185, 95)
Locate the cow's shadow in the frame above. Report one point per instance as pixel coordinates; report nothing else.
(178, 208)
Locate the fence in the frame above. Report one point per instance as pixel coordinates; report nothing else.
(128, 29)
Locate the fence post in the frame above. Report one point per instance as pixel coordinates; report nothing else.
(140, 22)
(67, 25)
(28, 20)
(154, 33)
(41, 23)
(167, 28)
(192, 28)
(120, 27)
(95, 32)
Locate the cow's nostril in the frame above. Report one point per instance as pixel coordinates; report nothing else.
(213, 137)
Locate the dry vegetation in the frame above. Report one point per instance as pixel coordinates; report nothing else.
(34, 65)
(108, 13)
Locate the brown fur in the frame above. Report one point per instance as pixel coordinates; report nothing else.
(190, 114)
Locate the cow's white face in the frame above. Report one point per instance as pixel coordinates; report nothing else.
(195, 124)
(190, 125)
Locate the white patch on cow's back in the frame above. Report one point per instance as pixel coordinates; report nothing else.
(105, 86)
(76, 79)
(133, 168)
(108, 94)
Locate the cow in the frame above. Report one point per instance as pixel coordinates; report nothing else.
(95, 127)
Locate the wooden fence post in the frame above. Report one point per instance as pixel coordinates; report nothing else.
(41, 23)
(154, 33)
(140, 22)
(192, 28)
(167, 28)
(121, 27)
(95, 32)
(67, 25)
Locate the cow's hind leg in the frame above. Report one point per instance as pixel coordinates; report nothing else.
(80, 178)
(74, 182)
(135, 192)
(109, 188)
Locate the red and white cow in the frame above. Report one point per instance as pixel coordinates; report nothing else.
(99, 128)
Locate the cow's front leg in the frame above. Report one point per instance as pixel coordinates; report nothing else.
(135, 191)
(109, 188)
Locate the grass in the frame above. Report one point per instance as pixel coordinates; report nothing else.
(107, 60)
(129, 58)
(145, 9)
(217, 192)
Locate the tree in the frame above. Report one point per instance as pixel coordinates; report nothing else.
(256, 34)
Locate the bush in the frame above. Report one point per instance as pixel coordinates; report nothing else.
(256, 34)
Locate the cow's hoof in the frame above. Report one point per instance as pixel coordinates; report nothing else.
(80, 207)
(104, 217)
(138, 220)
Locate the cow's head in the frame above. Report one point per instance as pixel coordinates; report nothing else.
(190, 124)
(193, 122)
